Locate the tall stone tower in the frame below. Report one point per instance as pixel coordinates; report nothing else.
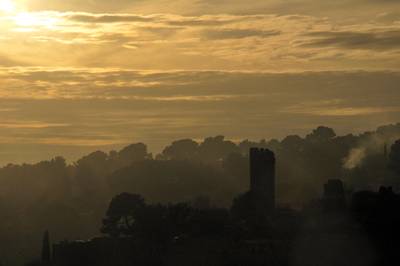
(262, 177)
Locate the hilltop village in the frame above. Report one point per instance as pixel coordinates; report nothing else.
(340, 228)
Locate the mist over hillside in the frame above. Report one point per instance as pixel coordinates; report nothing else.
(70, 200)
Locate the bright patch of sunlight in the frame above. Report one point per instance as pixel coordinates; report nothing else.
(27, 19)
(7, 6)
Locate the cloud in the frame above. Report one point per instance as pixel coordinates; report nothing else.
(29, 124)
(201, 85)
(201, 42)
(388, 17)
(372, 40)
(239, 33)
(65, 110)
(107, 18)
(79, 5)
(217, 20)
(342, 111)
(6, 61)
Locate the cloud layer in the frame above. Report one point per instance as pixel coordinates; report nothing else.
(79, 75)
(88, 109)
(205, 42)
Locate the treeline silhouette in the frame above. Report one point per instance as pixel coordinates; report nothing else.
(70, 199)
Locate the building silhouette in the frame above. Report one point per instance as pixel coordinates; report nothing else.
(262, 177)
(334, 195)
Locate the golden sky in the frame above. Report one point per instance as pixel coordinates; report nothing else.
(82, 75)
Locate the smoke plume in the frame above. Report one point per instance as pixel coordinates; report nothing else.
(354, 158)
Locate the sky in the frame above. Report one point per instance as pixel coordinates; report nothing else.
(77, 76)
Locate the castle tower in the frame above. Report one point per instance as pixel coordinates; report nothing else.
(262, 177)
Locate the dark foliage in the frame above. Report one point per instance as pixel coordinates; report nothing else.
(69, 199)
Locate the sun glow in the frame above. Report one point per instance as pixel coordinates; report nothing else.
(7, 6)
(23, 20)
(30, 19)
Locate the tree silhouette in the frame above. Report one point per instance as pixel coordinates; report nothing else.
(214, 149)
(133, 153)
(69, 199)
(122, 214)
(321, 134)
(185, 149)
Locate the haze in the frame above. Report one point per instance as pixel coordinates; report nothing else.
(76, 76)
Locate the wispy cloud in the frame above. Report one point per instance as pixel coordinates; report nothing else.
(341, 111)
(219, 42)
(64, 107)
(29, 124)
(106, 18)
(381, 40)
(239, 33)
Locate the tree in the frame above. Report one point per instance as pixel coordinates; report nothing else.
(92, 165)
(184, 149)
(214, 149)
(122, 214)
(321, 133)
(129, 215)
(236, 165)
(90, 173)
(133, 153)
(292, 143)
